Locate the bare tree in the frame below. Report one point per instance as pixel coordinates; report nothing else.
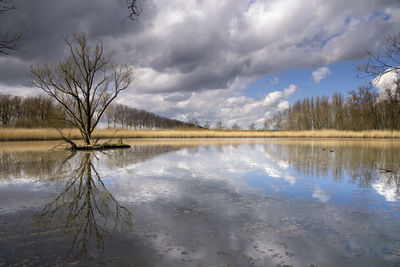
(8, 41)
(252, 126)
(194, 122)
(390, 99)
(385, 60)
(268, 123)
(219, 125)
(235, 126)
(84, 83)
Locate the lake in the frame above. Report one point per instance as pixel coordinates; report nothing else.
(210, 202)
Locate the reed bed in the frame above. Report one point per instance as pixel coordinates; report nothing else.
(13, 134)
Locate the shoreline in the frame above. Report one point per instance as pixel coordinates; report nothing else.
(46, 134)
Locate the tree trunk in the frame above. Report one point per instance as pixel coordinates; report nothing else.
(87, 139)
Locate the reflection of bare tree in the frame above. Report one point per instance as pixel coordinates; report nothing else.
(89, 210)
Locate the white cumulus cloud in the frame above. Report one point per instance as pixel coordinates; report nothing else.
(386, 81)
(320, 74)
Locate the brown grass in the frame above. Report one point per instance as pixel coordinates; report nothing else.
(11, 134)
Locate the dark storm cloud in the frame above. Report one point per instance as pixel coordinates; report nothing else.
(43, 23)
(13, 70)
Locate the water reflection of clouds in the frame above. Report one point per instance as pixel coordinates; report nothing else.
(204, 223)
(240, 160)
(229, 165)
(387, 188)
(23, 193)
(276, 168)
(216, 221)
(30, 184)
(232, 165)
(320, 195)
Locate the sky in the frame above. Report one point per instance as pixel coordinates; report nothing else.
(235, 61)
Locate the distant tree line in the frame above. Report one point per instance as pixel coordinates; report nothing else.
(43, 112)
(126, 117)
(30, 112)
(362, 109)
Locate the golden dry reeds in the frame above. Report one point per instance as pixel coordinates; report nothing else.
(14, 134)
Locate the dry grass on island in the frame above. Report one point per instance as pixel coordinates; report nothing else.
(14, 134)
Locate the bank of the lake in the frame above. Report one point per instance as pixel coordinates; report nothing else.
(17, 134)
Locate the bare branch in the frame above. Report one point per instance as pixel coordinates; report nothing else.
(8, 41)
(67, 139)
(134, 9)
(6, 5)
(384, 60)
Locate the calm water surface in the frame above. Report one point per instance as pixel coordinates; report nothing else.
(230, 202)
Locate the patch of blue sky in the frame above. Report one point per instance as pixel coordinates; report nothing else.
(343, 78)
(379, 14)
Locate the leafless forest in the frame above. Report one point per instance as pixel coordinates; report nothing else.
(44, 112)
(362, 109)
